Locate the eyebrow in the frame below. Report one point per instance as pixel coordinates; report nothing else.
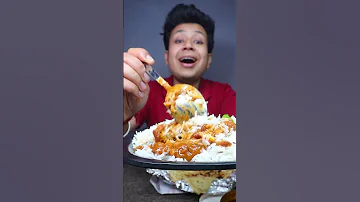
(197, 31)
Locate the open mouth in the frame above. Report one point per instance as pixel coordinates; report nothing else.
(188, 60)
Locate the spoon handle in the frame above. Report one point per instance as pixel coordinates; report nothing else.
(153, 74)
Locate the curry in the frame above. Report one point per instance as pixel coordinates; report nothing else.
(181, 141)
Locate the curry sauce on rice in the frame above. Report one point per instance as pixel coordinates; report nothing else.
(201, 139)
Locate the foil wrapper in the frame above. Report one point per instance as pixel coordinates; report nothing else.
(217, 187)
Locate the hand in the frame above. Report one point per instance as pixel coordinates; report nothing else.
(136, 88)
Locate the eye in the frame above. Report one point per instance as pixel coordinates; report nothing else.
(179, 41)
(198, 42)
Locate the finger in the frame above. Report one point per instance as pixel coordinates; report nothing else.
(137, 65)
(142, 54)
(130, 87)
(131, 75)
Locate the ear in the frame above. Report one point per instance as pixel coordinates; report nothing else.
(166, 56)
(209, 60)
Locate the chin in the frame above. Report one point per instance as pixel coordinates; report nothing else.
(187, 78)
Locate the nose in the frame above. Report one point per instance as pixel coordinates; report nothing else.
(188, 45)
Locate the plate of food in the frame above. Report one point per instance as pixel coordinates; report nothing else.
(195, 151)
(197, 155)
(201, 143)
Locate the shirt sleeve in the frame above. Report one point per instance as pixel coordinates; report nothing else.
(228, 105)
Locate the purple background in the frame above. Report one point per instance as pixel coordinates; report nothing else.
(297, 68)
(61, 101)
(298, 103)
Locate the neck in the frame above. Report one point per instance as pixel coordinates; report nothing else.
(196, 83)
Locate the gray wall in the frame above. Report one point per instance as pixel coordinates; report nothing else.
(143, 20)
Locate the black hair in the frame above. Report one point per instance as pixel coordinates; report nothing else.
(182, 13)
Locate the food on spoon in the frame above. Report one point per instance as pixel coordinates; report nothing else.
(183, 101)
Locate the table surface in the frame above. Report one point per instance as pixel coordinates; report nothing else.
(137, 187)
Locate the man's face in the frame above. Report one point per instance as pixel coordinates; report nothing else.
(188, 56)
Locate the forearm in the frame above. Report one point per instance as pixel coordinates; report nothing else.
(132, 124)
(127, 116)
(125, 128)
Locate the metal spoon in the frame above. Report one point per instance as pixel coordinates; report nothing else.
(183, 101)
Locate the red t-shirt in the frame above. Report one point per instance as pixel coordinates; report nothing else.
(221, 100)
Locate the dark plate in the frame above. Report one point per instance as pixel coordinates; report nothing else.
(131, 159)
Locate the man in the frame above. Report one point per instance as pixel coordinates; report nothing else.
(189, 40)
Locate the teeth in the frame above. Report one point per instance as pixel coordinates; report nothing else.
(187, 58)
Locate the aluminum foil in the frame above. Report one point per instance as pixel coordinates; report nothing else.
(218, 186)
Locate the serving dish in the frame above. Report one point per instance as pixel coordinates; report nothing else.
(137, 161)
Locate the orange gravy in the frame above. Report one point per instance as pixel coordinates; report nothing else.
(180, 149)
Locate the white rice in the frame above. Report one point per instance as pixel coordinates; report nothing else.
(184, 99)
(213, 153)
